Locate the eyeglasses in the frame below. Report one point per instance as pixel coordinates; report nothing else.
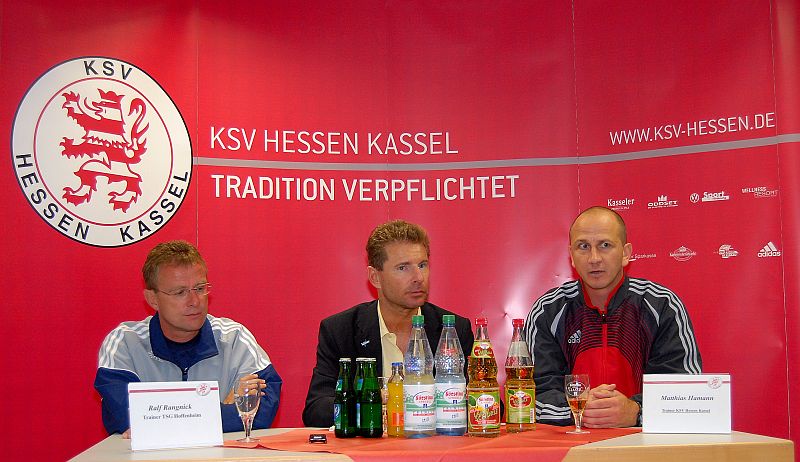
(200, 290)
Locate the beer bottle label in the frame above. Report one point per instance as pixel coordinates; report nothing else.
(520, 405)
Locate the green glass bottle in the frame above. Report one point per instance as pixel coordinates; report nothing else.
(371, 408)
(344, 402)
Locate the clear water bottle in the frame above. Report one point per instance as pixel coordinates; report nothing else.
(450, 383)
(418, 386)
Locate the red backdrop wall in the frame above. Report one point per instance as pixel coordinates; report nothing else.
(652, 108)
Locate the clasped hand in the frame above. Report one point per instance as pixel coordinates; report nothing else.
(607, 407)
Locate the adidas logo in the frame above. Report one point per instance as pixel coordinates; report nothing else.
(769, 250)
(575, 338)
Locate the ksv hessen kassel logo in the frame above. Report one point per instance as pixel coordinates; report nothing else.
(101, 152)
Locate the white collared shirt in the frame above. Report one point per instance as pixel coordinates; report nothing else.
(389, 351)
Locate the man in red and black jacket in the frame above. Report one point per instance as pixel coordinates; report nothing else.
(608, 325)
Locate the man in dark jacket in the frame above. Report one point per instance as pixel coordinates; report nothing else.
(398, 254)
(608, 325)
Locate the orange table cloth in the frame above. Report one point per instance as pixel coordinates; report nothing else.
(545, 444)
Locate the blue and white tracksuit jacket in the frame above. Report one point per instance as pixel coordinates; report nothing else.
(136, 351)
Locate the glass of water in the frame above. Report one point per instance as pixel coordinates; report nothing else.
(247, 397)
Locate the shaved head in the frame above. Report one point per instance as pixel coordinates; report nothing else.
(596, 211)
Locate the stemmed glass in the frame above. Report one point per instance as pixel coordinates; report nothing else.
(576, 388)
(383, 383)
(247, 397)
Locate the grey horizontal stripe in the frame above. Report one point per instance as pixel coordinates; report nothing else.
(529, 162)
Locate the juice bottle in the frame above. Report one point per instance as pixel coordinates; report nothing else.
(394, 406)
(483, 391)
(520, 388)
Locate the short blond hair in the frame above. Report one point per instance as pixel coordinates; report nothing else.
(394, 231)
(169, 253)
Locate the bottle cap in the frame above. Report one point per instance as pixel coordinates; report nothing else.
(345, 360)
(397, 364)
(417, 320)
(370, 360)
(449, 320)
(518, 322)
(481, 322)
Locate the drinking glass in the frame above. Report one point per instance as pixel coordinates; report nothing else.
(383, 383)
(247, 397)
(576, 388)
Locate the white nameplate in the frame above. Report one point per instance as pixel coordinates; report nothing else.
(174, 414)
(686, 403)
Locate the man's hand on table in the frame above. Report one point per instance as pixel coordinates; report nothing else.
(607, 408)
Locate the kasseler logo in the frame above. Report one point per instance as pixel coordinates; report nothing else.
(621, 204)
(101, 152)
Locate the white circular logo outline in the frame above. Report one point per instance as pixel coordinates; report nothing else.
(122, 142)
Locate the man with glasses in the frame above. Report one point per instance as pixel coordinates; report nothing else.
(182, 342)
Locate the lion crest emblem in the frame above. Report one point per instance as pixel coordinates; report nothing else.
(101, 152)
(113, 141)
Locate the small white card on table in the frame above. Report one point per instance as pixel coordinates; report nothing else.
(686, 403)
(174, 414)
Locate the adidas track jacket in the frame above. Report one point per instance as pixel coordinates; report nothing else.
(137, 351)
(644, 330)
